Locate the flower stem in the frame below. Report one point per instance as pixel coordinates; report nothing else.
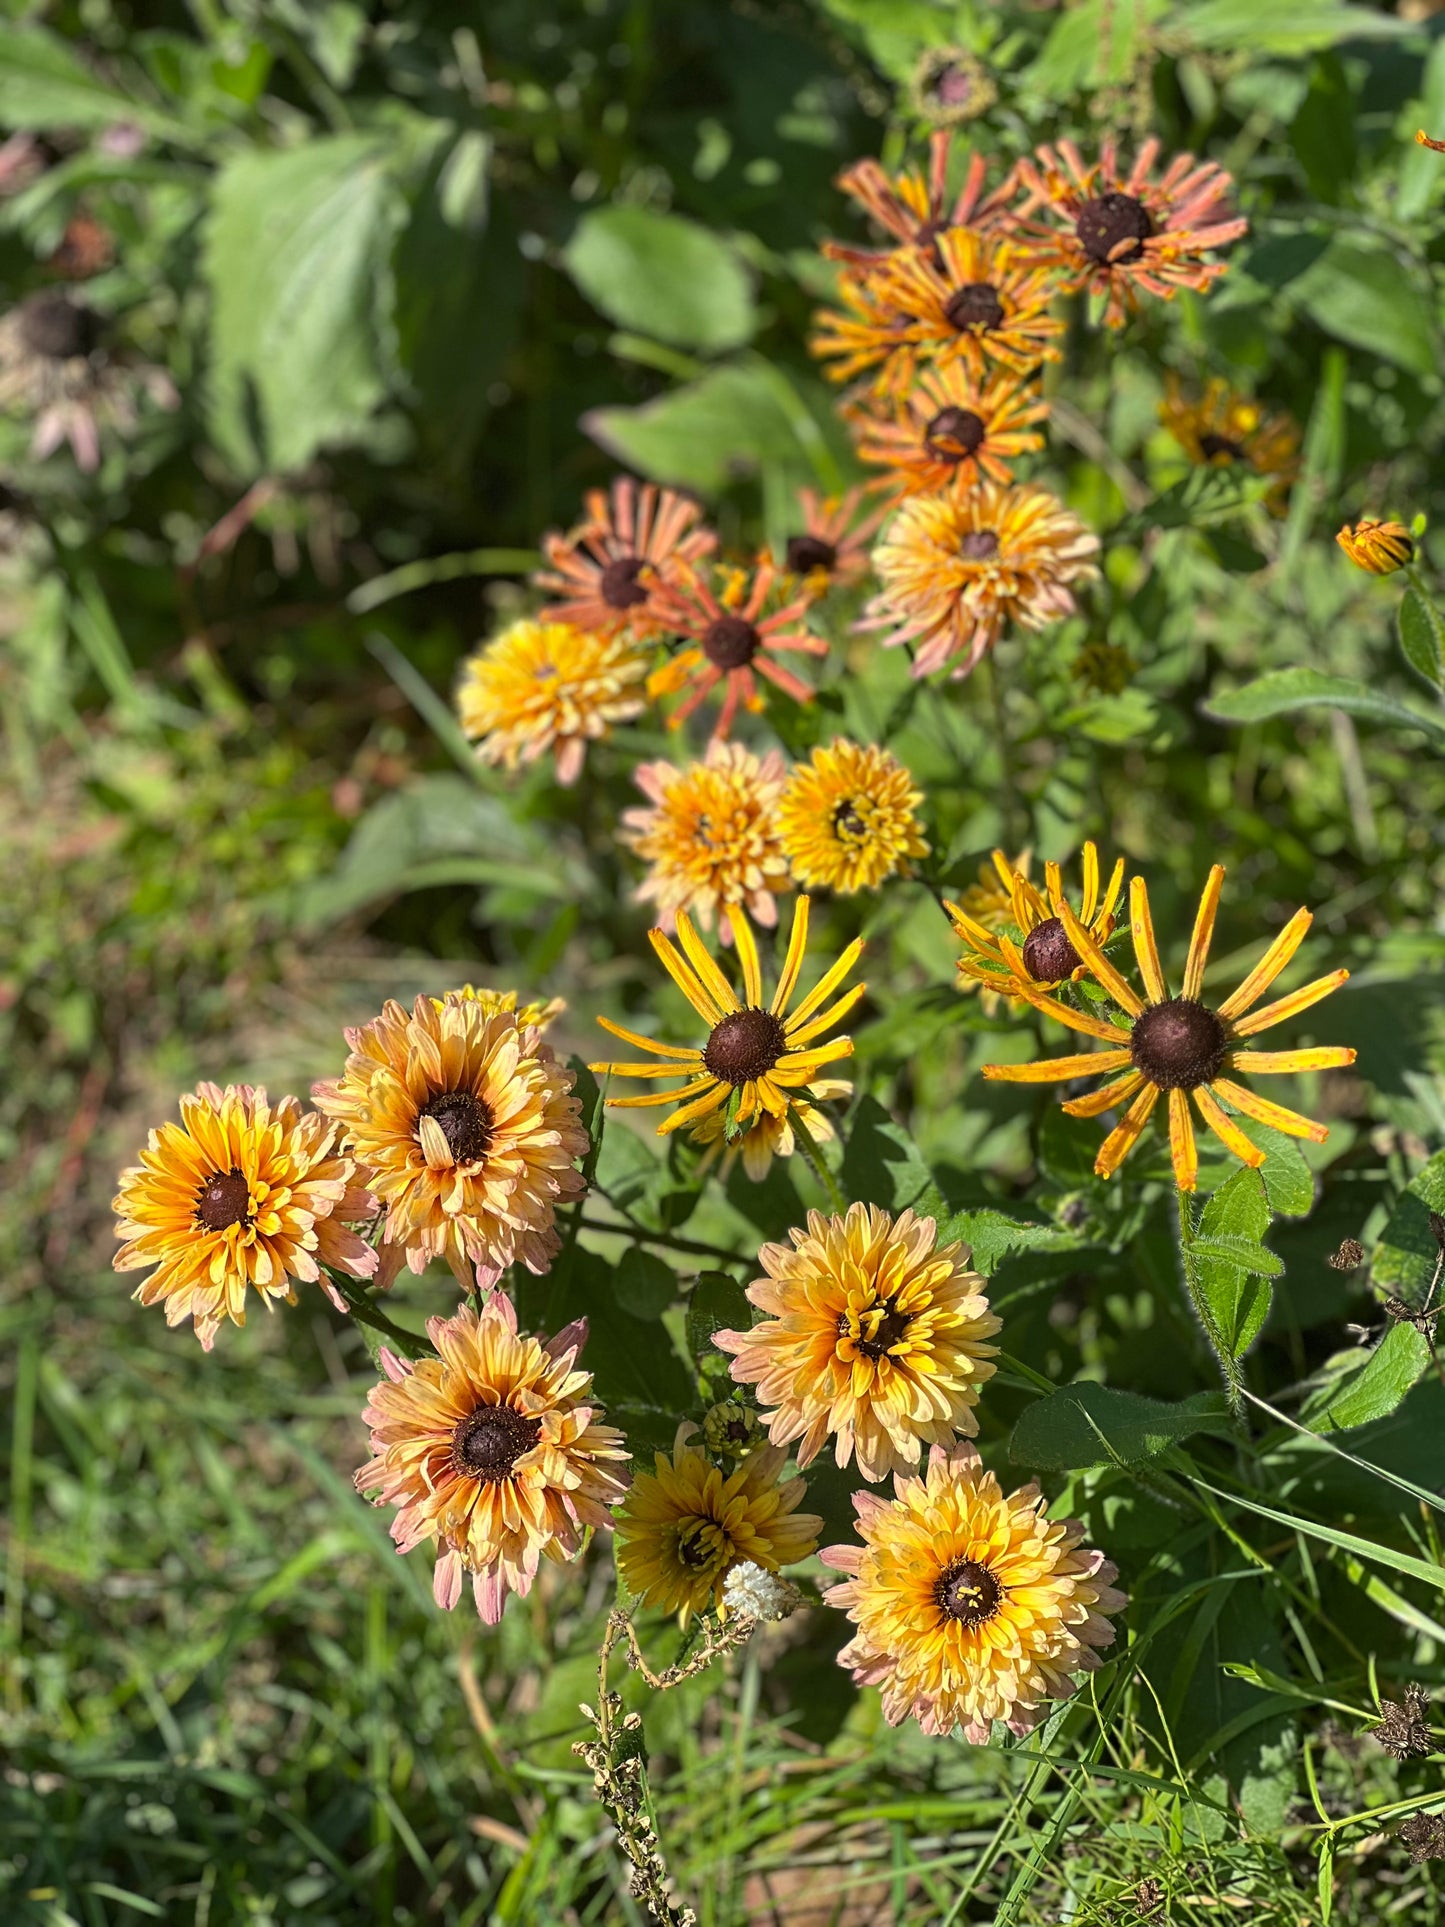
(363, 1309)
(1015, 817)
(1203, 1310)
(808, 1145)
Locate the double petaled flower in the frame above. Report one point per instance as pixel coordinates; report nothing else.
(848, 818)
(542, 686)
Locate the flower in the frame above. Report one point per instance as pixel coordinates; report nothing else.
(463, 1121)
(56, 368)
(241, 1193)
(956, 569)
(609, 569)
(1221, 427)
(537, 1015)
(711, 836)
(751, 1592)
(492, 1449)
(757, 1061)
(949, 86)
(970, 1607)
(731, 1430)
(1116, 232)
(969, 297)
(849, 818)
(949, 430)
(915, 209)
(547, 685)
(1380, 547)
(832, 551)
(683, 1528)
(876, 1339)
(1181, 1045)
(990, 902)
(733, 642)
(1042, 955)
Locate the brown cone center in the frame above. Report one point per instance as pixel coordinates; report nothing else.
(809, 552)
(745, 1045)
(1179, 1044)
(1219, 448)
(730, 642)
(488, 1442)
(968, 1593)
(979, 545)
(1112, 229)
(1049, 956)
(621, 582)
(59, 330)
(224, 1200)
(891, 1327)
(465, 1122)
(975, 305)
(953, 434)
(848, 825)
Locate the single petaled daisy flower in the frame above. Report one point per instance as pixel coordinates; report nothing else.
(55, 368)
(1380, 547)
(1221, 428)
(915, 208)
(1042, 957)
(956, 569)
(731, 641)
(462, 1120)
(832, 550)
(970, 1606)
(543, 686)
(240, 1196)
(950, 430)
(683, 1528)
(759, 1060)
(1180, 1045)
(1117, 232)
(492, 1450)
(849, 818)
(768, 1137)
(607, 571)
(876, 1339)
(711, 836)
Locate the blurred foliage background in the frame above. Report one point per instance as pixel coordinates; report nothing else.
(367, 296)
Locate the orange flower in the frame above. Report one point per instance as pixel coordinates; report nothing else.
(609, 569)
(711, 837)
(732, 641)
(832, 552)
(950, 430)
(1380, 547)
(915, 208)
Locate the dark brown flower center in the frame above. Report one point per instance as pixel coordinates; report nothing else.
(979, 545)
(730, 642)
(848, 825)
(1216, 448)
(968, 1592)
(488, 1442)
(697, 1543)
(952, 86)
(975, 305)
(809, 552)
(1049, 957)
(1112, 229)
(954, 433)
(744, 1045)
(465, 1123)
(223, 1200)
(876, 1339)
(621, 582)
(58, 329)
(1179, 1044)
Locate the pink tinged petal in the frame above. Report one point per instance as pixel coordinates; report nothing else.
(447, 1581)
(489, 1590)
(570, 1339)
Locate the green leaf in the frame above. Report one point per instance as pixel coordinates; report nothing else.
(991, 1236)
(44, 84)
(1406, 1256)
(662, 276)
(1283, 26)
(717, 1303)
(1088, 1424)
(1289, 1184)
(1231, 1226)
(881, 1163)
(1422, 638)
(631, 1366)
(1091, 43)
(1397, 1561)
(1229, 1249)
(1366, 296)
(296, 248)
(1204, 495)
(1376, 1386)
(1284, 690)
(643, 1285)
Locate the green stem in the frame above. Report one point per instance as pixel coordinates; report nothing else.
(665, 1240)
(1203, 1311)
(1015, 816)
(808, 1145)
(364, 1311)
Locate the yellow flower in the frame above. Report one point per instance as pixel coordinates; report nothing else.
(537, 1015)
(970, 1606)
(711, 836)
(848, 818)
(241, 1194)
(682, 1528)
(1042, 955)
(956, 569)
(543, 686)
(1181, 1045)
(492, 1450)
(1221, 428)
(1380, 547)
(768, 1137)
(461, 1118)
(876, 1340)
(759, 1060)
(990, 902)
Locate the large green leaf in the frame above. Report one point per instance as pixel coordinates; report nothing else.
(1089, 1424)
(1285, 690)
(1366, 296)
(991, 1236)
(1282, 26)
(1422, 638)
(1230, 1264)
(1375, 1386)
(717, 1303)
(663, 276)
(296, 250)
(1407, 1254)
(44, 84)
(881, 1163)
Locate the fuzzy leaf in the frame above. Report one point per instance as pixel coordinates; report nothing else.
(1089, 1424)
(717, 1303)
(1375, 1386)
(1422, 638)
(1285, 690)
(662, 276)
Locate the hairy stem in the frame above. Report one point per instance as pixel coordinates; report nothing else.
(1203, 1311)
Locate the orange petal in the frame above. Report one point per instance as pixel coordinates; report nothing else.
(1264, 1112)
(1292, 1005)
(1269, 966)
(1225, 1129)
(1125, 1135)
(1103, 971)
(1203, 932)
(1141, 926)
(1323, 1057)
(1057, 1070)
(1106, 1098)
(1183, 1150)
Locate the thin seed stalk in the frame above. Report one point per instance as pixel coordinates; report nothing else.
(1203, 1311)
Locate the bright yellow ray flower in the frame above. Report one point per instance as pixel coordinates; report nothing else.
(1046, 958)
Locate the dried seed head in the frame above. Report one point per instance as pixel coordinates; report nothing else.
(1112, 229)
(809, 552)
(488, 1442)
(975, 305)
(1349, 1257)
(953, 434)
(1403, 1730)
(621, 582)
(1048, 954)
(729, 642)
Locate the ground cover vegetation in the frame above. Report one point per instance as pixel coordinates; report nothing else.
(722, 771)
